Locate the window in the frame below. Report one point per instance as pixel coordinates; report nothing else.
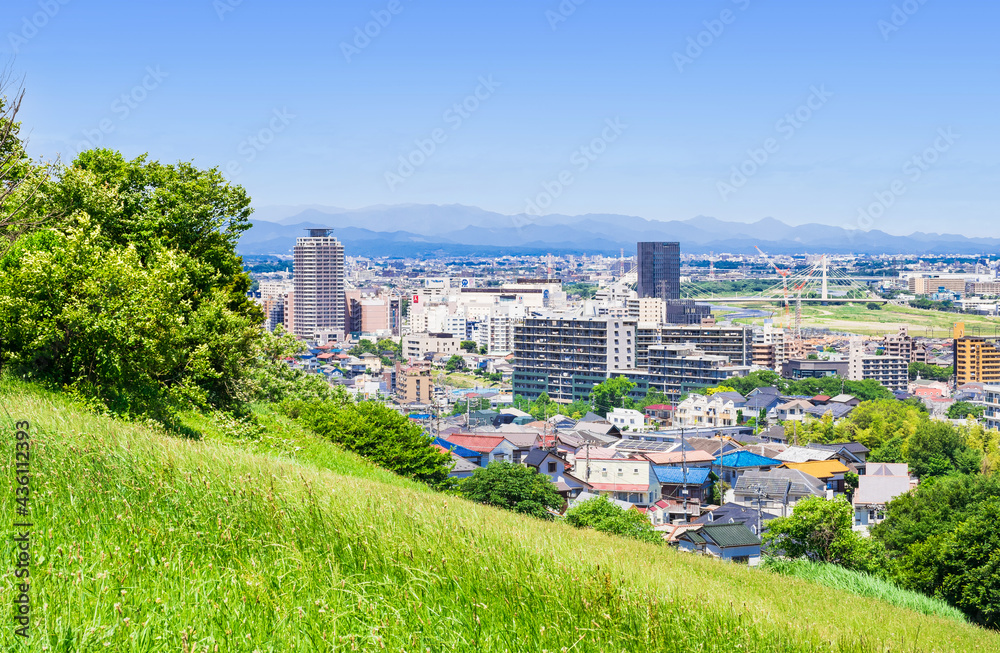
(552, 468)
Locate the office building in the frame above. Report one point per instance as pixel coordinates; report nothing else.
(659, 270)
(565, 357)
(319, 284)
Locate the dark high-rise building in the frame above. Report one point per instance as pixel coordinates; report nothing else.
(659, 270)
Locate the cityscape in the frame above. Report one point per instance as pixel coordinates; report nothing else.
(556, 326)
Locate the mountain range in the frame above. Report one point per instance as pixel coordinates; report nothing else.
(413, 230)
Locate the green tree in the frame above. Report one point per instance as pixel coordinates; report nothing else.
(611, 394)
(512, 487)
(455, 363)
(758, 379)
(653, 398)
(820, 530)
(363, 347)
(602, 515)
(469, 346)
(930, 372)
(379, 433)
(938, 448)
(965, 409)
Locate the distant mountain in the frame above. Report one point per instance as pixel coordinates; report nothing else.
(426, 229)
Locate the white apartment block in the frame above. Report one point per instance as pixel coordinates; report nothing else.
(699, 410)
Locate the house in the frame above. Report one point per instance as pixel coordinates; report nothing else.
(460, 467)
(678, 482)
(715, 446)
(790, 410)
(774, 434)
(669, 511)
(629, 479)
(734, 542)
(883, 483)
(555, 467)
(836, 411)
(795, 454)
(852, 454)
(493, 448)
(588, 495)
(662, 412)
(733, 465)
(734, 513)
(777, 490)
(830, 472)
(627, 419)
(847, 400)
(731, 395)
(474, 457)
(698, 410)
(761, 399)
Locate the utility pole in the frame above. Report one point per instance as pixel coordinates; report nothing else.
(684, 476)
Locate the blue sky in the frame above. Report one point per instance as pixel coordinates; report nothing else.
(301, 110)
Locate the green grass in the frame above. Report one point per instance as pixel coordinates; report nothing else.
(856, 318)
(862, 584)
(280, 542)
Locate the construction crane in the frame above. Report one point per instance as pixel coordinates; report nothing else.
(784, 281)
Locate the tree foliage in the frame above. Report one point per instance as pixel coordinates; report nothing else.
(455, 363)
(821, 530)
(965, 409)
(602, 515)
(930, 372)
(611, 394)
(379, 433)
(512, 487)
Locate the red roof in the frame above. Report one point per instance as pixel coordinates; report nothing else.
(478, 443)
(659, 407)
(620, 487)
(821, 398)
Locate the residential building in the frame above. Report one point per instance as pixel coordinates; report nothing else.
(977, 359)
(556, 468)
(415, 385)
(692, 483)
(647, 310)
(831, 472)
(733, 342)
(734, 542)
(677, 369)
(627, 419)
(699, 410)
(733, 465)
(565, 357)
(890, 371)
(319, 284)
(626, 479)
(989, 288)
(418, 345)
(930, 284)
(659, 270)
(814, 369)
(883, 483)
(734, 513)
(685, 311)
(991, 416)
(900, 345)
(776, 490)
(794, 410)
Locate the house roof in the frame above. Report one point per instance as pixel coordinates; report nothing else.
(851, 447)
(804, 454)
(674, 457)
(879, 490)
(776, 432)
(460, 464)
(727, 535)
(676, 475)
(888, 469)
(621, 487)
(480, 443)
(730, 513)
(842, 398)
(536, 457)
(732, 396)
(835, 410)
(799, 483)
(745, 459)
(767, 450)
(820, 468)
(454, 448)
(821, 398)
(659, 407)
(765, 390)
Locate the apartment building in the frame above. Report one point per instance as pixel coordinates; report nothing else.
(900, 345)
(977, 359)
(699, 411)
(565, 357)
(890, 371)
(733, 342)
(930, 284)
(415, 385)
(418, 345)
(372, 313)
(991, 416)
(319, 284)
(677, 369)
(984, 288)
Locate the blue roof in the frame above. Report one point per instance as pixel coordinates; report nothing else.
(456, 449)
(746, 459)
(695, 475)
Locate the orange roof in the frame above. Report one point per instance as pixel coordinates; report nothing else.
(819, 468)
(478, 443)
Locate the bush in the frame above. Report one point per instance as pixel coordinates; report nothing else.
(602, 515)
(513, 487)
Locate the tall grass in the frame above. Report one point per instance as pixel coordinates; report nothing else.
(148, 542)
(862, 584)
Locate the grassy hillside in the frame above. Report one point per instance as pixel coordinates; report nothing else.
(148, 542)
(862, 584)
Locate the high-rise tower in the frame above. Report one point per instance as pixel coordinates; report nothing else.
(319, 284)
